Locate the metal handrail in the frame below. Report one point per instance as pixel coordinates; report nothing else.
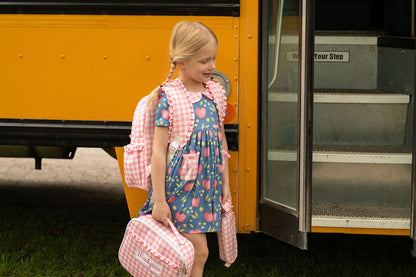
(277, 41)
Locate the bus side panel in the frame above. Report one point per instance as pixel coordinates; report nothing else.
(97, 67)
(91, 67)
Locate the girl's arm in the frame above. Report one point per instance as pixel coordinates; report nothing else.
(161, 210)
(226, 192)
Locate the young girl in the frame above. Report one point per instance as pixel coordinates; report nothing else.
(190, 188)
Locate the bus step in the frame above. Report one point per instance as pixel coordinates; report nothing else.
(344, 116)
(360, 216)
(362, 176)
(357, 175)
(367, 154)
(342, 96)
(362, 154)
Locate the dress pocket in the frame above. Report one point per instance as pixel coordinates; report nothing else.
(189, 167)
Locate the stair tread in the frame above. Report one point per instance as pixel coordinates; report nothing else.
(360, 216)
(347, 33)
(333, 95)
(356, 149)
(340, 91)
(355, 91)
(358, 154)
(359, 211)
(353, 149)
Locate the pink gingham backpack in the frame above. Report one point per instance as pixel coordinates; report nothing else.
(227, 237)
(138, 153)
(150, 248)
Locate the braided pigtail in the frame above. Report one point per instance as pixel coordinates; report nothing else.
(153, 95)
(172, 69)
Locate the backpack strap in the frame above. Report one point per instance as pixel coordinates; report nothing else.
(173, 147)
(181, 115)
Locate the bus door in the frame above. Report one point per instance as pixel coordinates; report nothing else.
(413, 210)
(354, 172)
(286, 112)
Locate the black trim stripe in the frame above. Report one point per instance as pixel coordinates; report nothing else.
(75, 133)
(133, 7)
(64, 133)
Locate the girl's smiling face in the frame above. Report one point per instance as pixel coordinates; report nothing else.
(198, 69)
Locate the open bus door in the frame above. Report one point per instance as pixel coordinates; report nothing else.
(413, 212)
(413, 183)
(287, 49)
(359, 178)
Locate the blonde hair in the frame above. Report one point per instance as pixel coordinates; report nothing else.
(188, 38)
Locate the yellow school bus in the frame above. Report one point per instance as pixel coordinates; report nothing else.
(320, 100)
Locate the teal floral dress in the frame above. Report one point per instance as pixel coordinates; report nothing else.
(195, 202)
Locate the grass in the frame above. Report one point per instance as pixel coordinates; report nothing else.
(76, 231)
(57, 237)
(60, 231)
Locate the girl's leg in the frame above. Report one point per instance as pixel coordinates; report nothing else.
(199, 242)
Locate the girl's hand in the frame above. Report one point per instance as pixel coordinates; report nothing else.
(161, 212)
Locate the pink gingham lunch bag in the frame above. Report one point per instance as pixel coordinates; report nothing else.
(227, 237)
(149, 248)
